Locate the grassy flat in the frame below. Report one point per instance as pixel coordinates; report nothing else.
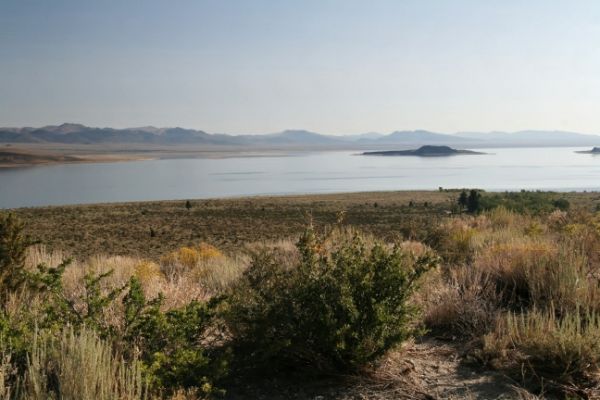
(150, 229)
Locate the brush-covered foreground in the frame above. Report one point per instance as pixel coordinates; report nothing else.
(509, 296)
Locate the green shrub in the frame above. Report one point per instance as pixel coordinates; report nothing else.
(525, 201)
(172, 348)
(7, 375)
(13, 245)
(343, 305)
(179, 348)
(561, 204)
(15, 339)
(474, 201)
(463, 200)
(89, 309)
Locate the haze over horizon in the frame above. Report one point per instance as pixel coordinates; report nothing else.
(72, 127)
(335, 67)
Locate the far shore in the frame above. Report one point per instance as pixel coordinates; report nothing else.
(14, 156)
(42, 154)
(23, 159)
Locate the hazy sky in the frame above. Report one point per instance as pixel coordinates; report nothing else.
(330, 66)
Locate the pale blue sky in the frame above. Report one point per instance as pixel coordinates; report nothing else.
(329, 66)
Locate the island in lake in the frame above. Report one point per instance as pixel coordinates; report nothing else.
(423, 151)
(595, 150)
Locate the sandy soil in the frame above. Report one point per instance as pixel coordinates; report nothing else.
(430, 370)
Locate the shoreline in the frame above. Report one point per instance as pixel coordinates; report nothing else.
(309, 197)
(17, 157)
(99, 160)
(315, 197)
(42, 154)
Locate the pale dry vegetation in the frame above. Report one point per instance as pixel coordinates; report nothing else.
(524, 291)
(189, 273)
(520, 292)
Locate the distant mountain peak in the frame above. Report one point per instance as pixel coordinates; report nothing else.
(71, 125)
(74, 133)
(289, 132)
(149, 128)
(67, 127)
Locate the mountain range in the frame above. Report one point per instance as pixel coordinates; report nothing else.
(70, 133)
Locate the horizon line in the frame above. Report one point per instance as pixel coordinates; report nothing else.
(304, 130)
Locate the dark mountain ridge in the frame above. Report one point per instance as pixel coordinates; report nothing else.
(72, 133)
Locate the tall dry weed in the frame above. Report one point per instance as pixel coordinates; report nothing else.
(462, 302)
(80, 366)
(563, 349)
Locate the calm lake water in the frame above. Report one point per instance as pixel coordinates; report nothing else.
(303, 172)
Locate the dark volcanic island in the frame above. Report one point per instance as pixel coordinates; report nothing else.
(595, 150)
(423, 151)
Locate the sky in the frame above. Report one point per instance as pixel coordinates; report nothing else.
(336, 67)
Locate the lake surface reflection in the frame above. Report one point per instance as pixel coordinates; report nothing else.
(558, 169)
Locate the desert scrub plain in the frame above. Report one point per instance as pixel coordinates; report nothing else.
(152, 229)
(389, 295)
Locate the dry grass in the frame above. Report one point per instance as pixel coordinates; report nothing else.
(561, 350)
(463, 304)
(198, 277)
(540, 273)
(525, 288)
(529, 288)
(153, 229)
(80, 366)
(7, 373)
(204, 265)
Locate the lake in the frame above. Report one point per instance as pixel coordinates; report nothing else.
(559, 169)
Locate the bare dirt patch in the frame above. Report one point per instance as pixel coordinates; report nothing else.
(429, 370)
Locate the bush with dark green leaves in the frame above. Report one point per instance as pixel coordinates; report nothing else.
(342, 305)
(13, 246)
(531, 202)
(177, 347)
(173, 346)
(180, 348)
(474, 201)
(15, 334)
